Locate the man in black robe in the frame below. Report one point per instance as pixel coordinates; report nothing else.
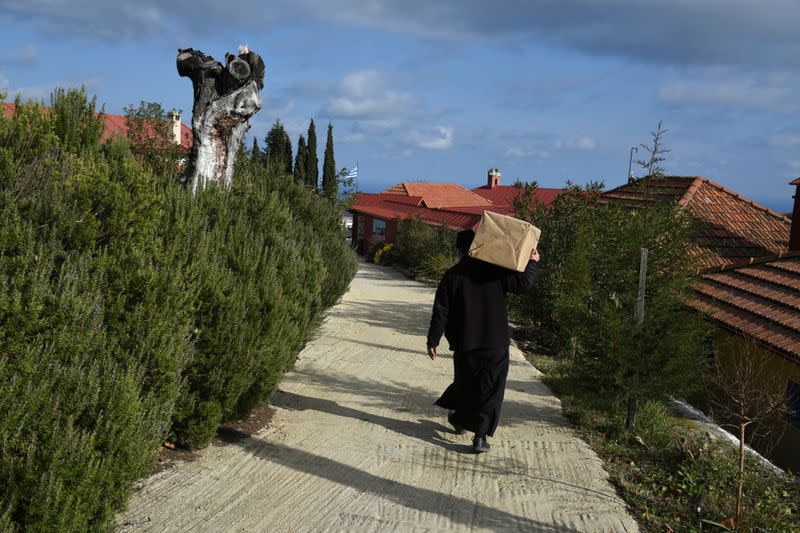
(470, 310)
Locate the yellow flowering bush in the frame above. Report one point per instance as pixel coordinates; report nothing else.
(381, 251)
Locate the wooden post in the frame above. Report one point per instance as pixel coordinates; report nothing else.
(633, 400)
(639, 315)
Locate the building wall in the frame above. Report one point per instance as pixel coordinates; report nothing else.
(354, 229)
(782, 446)
(365, 236)
(391, 231)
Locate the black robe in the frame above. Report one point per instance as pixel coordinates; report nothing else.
(470, 310)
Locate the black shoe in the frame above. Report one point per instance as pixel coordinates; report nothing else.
(456, 428)
(479, 444)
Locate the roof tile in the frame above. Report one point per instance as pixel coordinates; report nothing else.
(732, 230)
(439, 203)
(440, 195)
(761, 300)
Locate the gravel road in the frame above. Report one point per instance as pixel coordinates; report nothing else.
(356, 444)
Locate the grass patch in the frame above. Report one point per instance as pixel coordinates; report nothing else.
(667, 468)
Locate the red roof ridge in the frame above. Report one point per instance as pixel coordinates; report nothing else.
(400, 188)
(689, 194)
(740, 197)
(698, 180)
(795, 182)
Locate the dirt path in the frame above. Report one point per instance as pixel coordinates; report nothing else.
(356, 444)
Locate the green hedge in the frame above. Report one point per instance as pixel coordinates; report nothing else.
(131, 312)
(426, 251)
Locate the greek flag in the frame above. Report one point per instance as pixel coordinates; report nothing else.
(353, 174)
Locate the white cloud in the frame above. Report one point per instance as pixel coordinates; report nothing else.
(731, 92)
(365, 95)
(352, 138)
(42, 91)
(575, 143)
(785, 140)
(19, 56)
(710, 32)
(527, 151)
(434, 138)
(545, 145)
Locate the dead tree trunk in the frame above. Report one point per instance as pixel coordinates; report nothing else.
(225, 97)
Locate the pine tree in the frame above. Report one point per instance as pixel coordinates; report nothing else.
(301, 162)
(329, 186)
(279, 147)
(312, 166)
(656, 152)
(287, 153)
(255, 153)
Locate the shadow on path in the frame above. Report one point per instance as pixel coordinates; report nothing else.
(419, 353)
(425, 430)
(401, 396)
(460, 511)
(405, 317)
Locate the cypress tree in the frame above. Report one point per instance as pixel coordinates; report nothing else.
(329, 186)
(279, 147)
(287, 153)
(301, 162)
(312, 165)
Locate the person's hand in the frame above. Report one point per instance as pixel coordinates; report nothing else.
(432, 352)
(535, 255)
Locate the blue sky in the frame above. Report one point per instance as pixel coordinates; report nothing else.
(545, 90)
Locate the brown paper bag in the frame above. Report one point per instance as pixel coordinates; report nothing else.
(504, 241)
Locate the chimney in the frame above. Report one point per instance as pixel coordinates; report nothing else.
(175, 116)
(794, 235)
(493, 179)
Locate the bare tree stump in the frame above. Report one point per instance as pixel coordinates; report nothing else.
(225, 97)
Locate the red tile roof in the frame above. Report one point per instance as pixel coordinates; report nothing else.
(379, 206)
(733, 230)
(440, 203)
(114, 125)
(501, 195)
(439, 195)
(761, 300)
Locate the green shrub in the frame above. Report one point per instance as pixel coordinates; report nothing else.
(583, 305)
(271, 258)
(130, 311)
(668, 467)
(554, 310)
(426, 251)
(77, 426)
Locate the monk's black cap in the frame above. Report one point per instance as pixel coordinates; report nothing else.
(464, 240)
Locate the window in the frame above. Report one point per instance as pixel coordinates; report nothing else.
(793, 403)
(378, 229)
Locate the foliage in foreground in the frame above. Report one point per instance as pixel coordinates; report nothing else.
(675, 468)
(583, 307)
(131, 312)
